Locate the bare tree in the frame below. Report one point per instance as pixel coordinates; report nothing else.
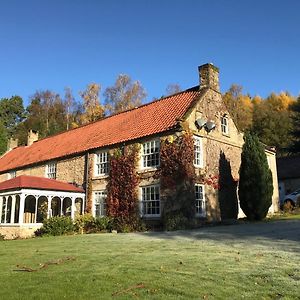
(125, 94)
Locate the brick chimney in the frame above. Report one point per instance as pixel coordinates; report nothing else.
(32, 137)
(209, 77)
(12, 143)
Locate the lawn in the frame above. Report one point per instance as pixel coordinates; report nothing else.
(247, 261)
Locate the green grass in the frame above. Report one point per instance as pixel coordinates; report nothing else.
(249, 261)
(292, 215)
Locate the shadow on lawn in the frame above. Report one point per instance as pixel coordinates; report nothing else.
(279, 234)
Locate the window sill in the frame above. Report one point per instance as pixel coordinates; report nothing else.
(104, 176)
(150, 169)
(150, 217)
(226, 134)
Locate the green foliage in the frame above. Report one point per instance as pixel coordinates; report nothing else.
(11, 113)
(272, 123)
(295, 145)
(88, 224)
(3, 138)
(176, 221)
(256, 186)
(56, 226)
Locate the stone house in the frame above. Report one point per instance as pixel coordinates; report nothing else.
(80, 157)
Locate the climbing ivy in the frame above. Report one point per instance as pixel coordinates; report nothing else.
(177, 178)
(123, 180)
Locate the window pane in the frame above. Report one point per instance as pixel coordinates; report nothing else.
(151, 154)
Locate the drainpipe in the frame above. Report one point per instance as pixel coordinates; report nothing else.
(86, 179)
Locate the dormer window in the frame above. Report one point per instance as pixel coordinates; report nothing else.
(224, 125)
(51, 170)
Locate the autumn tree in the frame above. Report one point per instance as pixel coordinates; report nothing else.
(93, 110)
(125, 94)
(256, 185)
(45, 114)
(272, 121)
(295, 144)
(239, 106)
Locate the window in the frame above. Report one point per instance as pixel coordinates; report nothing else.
(101, 163)
(198, 160)
(12, 174)
(224, 125)
(150, 155)
(200, 200)
(100, 203)
(151, 200)
(51, 171)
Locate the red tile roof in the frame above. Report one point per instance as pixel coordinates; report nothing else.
(33, 182)
(155, 117)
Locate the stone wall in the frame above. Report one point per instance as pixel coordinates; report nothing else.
(67, 170)
(17, 232)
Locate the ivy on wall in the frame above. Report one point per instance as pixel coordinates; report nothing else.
(123, 180)
(177, 178)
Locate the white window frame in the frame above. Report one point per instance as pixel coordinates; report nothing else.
(225, 125)
(149, 154)
(101, 163)
(51, 170)
(99, 198)
(198, 152)
(200, 202)
(148, 199)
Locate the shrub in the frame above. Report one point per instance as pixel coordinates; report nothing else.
(88, 224)
(256, 185)
(56, 226)
(176, 221)
(84, 223)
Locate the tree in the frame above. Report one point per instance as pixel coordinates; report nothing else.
(45, 114)
(3, 138)
(93, 110)
(239, 106)
(124, 95)
(11, 113)
(295, 145)
(173, 88)
(272, 121)
(256, 185)
(69, 101)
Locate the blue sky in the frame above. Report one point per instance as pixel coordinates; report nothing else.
(52, 44)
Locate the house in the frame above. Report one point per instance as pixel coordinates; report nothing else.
(80, 159)
(288, 172)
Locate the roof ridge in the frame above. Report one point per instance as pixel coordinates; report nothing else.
(113, 115)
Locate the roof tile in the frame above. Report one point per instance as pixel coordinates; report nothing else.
(155, 117)
(40, 183)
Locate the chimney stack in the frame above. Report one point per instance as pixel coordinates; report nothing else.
(32, 137)
(209, 77)
(12, 143)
